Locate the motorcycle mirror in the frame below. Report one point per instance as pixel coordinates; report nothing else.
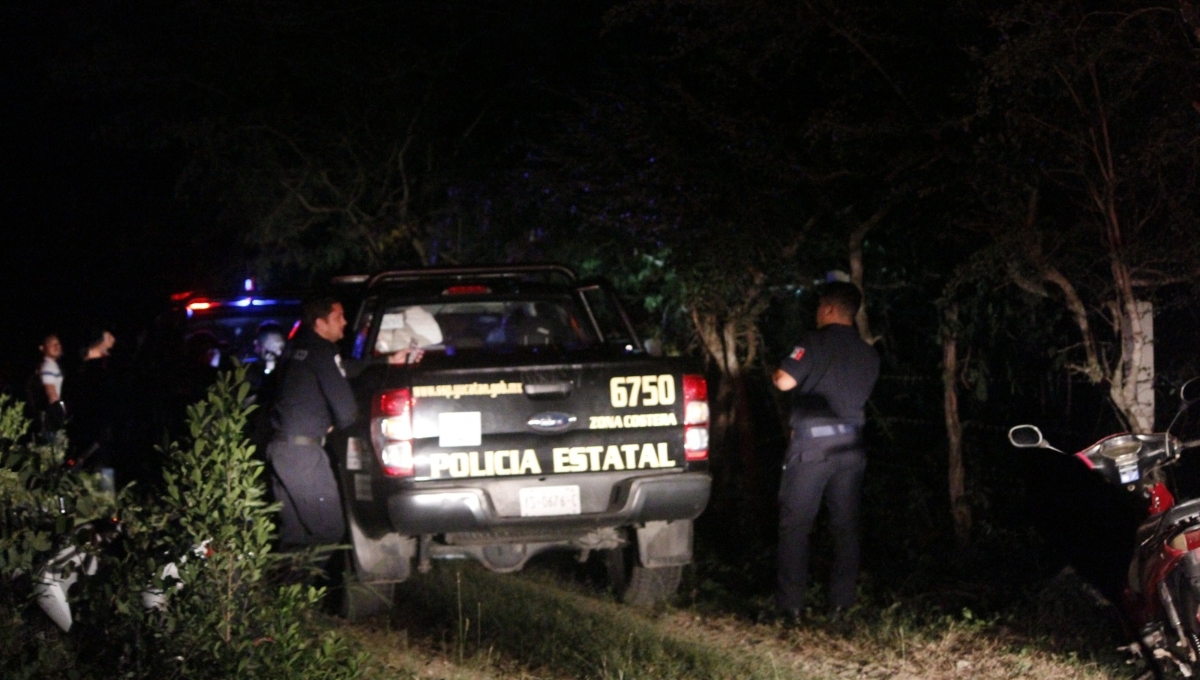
(1026, 437)
(1190, 392)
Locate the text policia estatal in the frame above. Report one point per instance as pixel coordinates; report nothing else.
(564, 459)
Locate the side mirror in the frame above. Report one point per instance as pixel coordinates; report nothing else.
(1029, 437)
(1190, 392)
(1026, 437)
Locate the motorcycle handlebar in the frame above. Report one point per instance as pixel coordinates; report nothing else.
(1189, 445)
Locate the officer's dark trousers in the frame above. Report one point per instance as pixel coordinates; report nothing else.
(838, 480)
(304, 484)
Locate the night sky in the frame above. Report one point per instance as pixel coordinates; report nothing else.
(100, 224)
(707, 133)
(91, 233)
(97, 229)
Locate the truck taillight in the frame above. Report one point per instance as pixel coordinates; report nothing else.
(392, 432)
(695, 417)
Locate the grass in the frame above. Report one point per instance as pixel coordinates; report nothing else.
(555, 629)
(927, 611)
(463, 623)
(393, 656)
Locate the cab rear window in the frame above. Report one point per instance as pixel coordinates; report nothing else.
(476, 326)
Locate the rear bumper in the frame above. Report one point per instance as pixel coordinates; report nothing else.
(446, 509)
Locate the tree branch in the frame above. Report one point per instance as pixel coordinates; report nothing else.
(856, 269)
(1093, 368)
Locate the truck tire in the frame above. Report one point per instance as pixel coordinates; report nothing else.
(637, 585)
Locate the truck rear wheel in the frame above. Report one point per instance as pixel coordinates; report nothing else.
(637, 585)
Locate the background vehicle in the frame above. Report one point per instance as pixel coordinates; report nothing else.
(180, 357)
(534, 422)
(231, 320)
(1160, 602)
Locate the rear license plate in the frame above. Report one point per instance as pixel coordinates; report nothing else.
(542, 501)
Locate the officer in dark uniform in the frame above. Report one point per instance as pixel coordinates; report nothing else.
(831, 372)
(313, 397)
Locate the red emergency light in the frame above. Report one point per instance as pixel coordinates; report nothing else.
(467, 290)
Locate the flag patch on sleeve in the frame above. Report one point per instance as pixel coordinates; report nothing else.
(797, 353)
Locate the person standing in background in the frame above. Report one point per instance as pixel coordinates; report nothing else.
(93, 400)
(53, 414)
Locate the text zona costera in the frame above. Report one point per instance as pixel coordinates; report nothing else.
(631, 421)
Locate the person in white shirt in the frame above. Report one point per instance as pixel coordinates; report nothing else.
(45, 389)
(50, 373)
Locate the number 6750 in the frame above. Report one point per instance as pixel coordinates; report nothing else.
(651, 390)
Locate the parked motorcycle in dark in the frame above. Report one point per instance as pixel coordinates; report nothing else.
(1160, 601)
(53, 580)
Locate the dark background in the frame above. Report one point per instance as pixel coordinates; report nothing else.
(92, 232)
(712, 158)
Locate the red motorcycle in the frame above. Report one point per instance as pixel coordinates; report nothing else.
(1161, 598)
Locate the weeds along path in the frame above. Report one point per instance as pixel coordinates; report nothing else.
(393, 655)
(463, 622)
(882, 649)
(547, 628)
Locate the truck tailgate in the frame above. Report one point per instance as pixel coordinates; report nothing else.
(547, 420)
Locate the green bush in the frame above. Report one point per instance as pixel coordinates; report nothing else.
(226, 615)
(232, 611)
(44, 503)
(43, 500)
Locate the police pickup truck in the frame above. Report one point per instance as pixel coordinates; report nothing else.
(534, 421)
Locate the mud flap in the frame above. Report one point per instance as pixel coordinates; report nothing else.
(384, 559)
(665, 544)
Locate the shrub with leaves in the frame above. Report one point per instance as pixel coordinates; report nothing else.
(224, 616)
(219, 612)
(44, 503)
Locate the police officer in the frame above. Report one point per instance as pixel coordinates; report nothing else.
(313, 398)
(831, 373)
(269, 344)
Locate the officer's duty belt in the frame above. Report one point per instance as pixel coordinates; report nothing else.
(821, 431)
(299, 439)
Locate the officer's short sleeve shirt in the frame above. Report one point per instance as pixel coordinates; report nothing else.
(835, 372)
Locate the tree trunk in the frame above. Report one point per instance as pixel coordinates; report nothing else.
(855, 249)
(960, 509)
(732, 437)
(1132, 386)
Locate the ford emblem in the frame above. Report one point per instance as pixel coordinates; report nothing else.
(551, 421)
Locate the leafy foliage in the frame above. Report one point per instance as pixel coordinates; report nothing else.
(189, 589)
(224, 615)
(44, 504)
(1090, 133)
